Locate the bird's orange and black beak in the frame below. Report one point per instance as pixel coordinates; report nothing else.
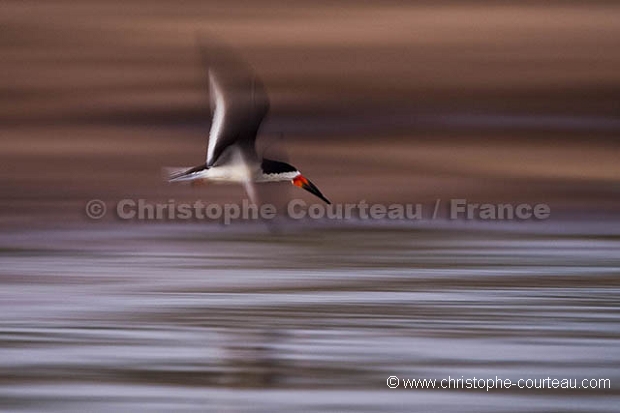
(302, 182)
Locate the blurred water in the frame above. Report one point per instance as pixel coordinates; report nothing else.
(192, 318)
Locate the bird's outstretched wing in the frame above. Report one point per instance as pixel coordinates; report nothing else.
(238, 102)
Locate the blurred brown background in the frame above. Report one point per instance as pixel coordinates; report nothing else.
(383, 101)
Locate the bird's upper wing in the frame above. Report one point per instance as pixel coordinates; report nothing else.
(239, 104)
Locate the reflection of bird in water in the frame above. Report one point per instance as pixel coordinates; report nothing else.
(239, 103)
(252, 360)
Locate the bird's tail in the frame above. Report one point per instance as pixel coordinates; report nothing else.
(179, 174)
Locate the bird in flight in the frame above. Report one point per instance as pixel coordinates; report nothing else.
(238, 103)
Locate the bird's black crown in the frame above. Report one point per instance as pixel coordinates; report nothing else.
(275, 167)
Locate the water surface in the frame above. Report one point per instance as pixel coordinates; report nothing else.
(184, 318)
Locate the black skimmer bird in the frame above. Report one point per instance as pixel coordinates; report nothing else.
(238, 103)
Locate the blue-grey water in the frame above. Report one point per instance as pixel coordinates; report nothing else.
(142, 318)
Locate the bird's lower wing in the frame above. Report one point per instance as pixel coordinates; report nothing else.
(250, 188)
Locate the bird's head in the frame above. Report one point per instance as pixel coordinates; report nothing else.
(282, 171)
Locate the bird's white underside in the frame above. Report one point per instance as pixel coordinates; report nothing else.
(239, 174)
